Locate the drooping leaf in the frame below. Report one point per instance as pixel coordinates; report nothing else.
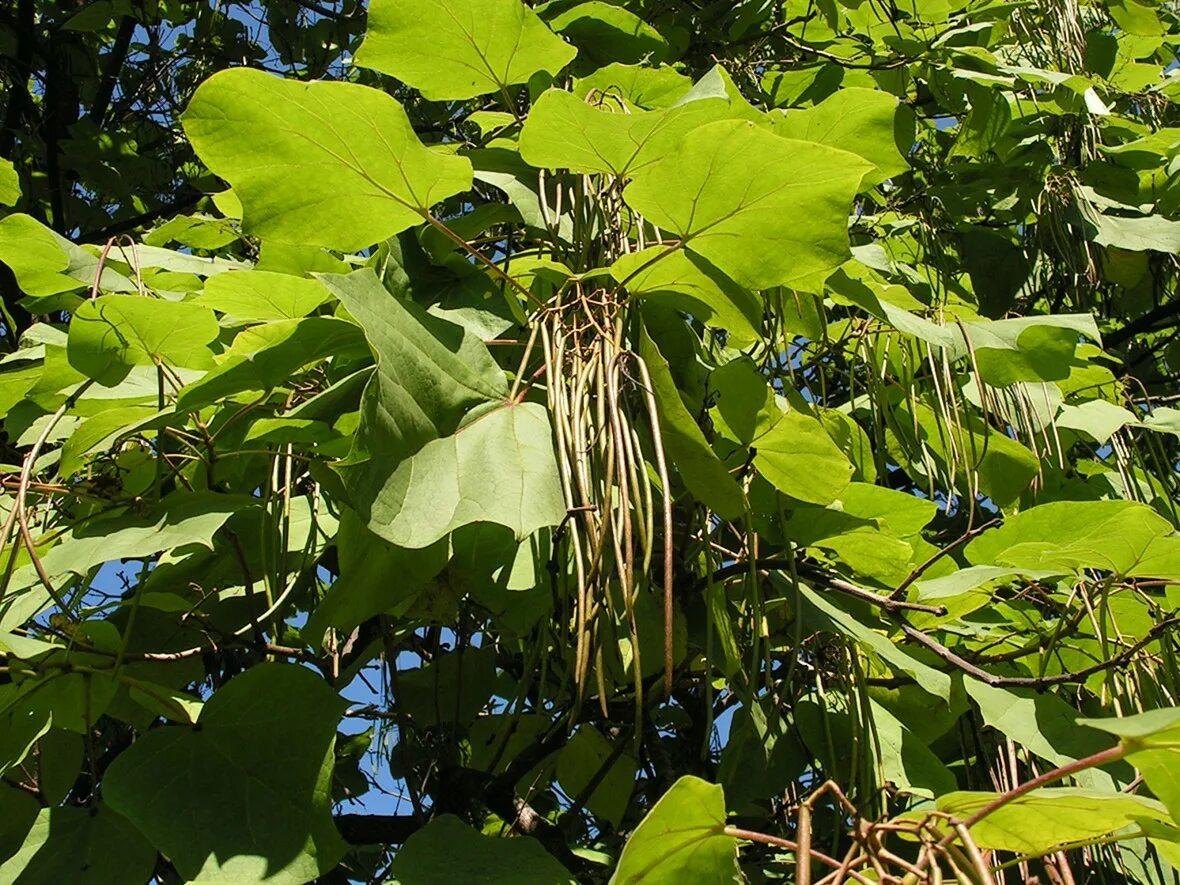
(834, 619)
(906, 760)
(458, 49)
(1042, 723)
(498, 467)
(374, 577)
(780, 221)
(1097, 418)
(267, 355)
(175, 783)
(330, 164)
(681, 838)
(700, 468)
(430, 372)
(641, 85)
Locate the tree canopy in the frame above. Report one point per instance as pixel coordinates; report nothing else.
(594, 440)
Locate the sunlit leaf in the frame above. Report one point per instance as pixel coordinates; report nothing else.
(780, 221)
(330, 164)
(681, 837)
(455, 49)
(110, 335)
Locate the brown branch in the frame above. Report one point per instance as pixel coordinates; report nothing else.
(899, 592)
(1037, 682)
(1105, 757)
(376, 829)
(777, 842)
(114, 65)
(830, 581)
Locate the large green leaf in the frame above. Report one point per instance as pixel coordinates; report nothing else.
(565, 132)
(457, 49)
(1041, 820)
(498, 467)
(865, 122)
(112, 334)
(177, 783)
(329, 164)
(448, 851)
(95, 846)
(682, 839)
(263, 295)
(800, 459)
(780, 220)
(1072, 535)
(606, 32)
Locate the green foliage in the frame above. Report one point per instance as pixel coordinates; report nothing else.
(687, 442)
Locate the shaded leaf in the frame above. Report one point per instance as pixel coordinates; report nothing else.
(84, 846)
(175, 783)
(499, 467)
(446, 851)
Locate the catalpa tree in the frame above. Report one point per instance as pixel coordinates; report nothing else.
(602, 440)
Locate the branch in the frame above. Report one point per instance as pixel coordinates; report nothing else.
(899, 592)
(830, 581)
(114, 65)
(1037, 682)
(117, 227)
(376, 829)
(1145, 323)
(1105, 757)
